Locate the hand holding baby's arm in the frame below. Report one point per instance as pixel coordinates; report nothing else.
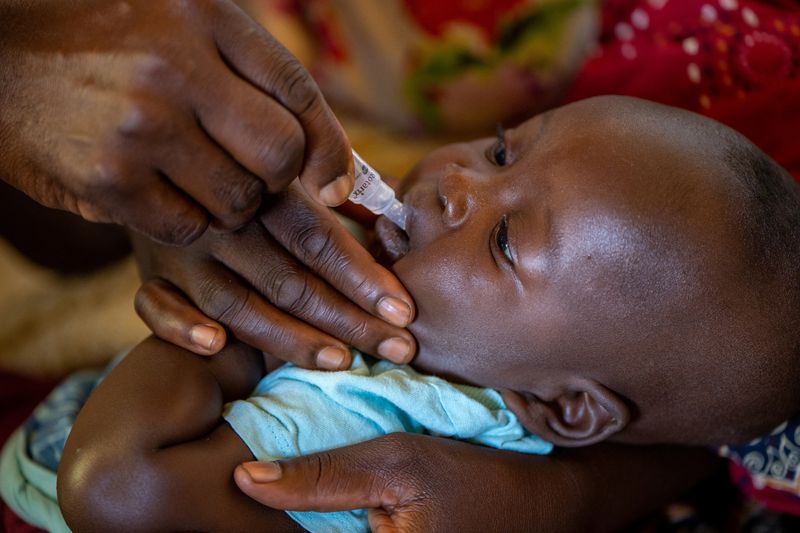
(421, 483)
(294, 284)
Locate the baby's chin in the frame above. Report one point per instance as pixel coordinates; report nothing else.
(434, 363)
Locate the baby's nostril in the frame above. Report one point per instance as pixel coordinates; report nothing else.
(455, 192)
(455, 211)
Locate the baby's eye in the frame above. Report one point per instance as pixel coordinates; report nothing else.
(497, 153)
(502, 238)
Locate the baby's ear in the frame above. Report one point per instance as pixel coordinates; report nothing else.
(577, 413)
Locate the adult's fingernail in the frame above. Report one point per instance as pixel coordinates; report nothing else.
(337, 191)
(395, 349)
(263, 472)
(395, 311)
(203, 336)
(331, 358)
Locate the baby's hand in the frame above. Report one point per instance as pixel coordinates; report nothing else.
(294, 284)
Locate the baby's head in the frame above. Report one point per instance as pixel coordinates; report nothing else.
(628, 270)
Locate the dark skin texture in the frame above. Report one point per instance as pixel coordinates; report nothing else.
(420, 483)
(124, 122)
(598, 251)
(414, 483)
(596, 267)
(168, 465)
(601, 164)
(261, 282)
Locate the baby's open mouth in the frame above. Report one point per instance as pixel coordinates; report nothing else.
(392, 241)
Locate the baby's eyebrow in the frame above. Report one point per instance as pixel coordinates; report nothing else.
(544, 124)
(546, 118)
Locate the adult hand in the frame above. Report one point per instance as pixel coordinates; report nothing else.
(162, 116)
(415, 483)
(294, 284)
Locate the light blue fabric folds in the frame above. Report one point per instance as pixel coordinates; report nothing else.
(294, 412)
(291, 412)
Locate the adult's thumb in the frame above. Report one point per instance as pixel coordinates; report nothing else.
(336, 480)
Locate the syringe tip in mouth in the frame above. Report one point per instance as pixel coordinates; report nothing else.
(397, 214)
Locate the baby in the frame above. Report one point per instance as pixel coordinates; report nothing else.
(620, 270)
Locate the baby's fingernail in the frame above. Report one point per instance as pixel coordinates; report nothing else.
(203, 336)
(395, 311)
(331, 358)
(337, 191)
(395, 349)
(263, 472)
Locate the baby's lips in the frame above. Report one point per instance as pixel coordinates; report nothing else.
(393, 240)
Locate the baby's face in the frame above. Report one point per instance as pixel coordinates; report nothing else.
(522, 250)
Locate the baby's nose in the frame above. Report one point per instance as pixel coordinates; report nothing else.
(457, 195)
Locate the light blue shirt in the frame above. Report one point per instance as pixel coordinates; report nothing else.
(294, 411)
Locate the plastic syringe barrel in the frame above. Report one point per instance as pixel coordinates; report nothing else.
(374, 194)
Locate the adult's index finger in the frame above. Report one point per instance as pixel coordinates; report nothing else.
(256, 56)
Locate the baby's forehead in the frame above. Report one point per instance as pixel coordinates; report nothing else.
(623, 184)
(632, 147)
(632, 125)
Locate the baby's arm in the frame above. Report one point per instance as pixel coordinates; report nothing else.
(150, 450)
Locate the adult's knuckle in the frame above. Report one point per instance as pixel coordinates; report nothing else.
(355, 333)
(281, 156)
(317, 244)
(237, 192)
(404, 451)
(220, 301)
(288, 289)
(153, 71)
(142, 120)
(108, 176)
(296, 89)
(366, 289)
(182, 231)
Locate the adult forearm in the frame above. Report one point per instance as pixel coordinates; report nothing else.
(420, 483)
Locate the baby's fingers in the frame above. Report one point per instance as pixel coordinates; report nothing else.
(167, 312)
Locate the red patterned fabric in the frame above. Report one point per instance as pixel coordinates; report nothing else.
(775, 499)
(435, 17)
(736, 61)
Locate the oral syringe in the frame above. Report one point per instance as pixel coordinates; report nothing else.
(373, 193)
